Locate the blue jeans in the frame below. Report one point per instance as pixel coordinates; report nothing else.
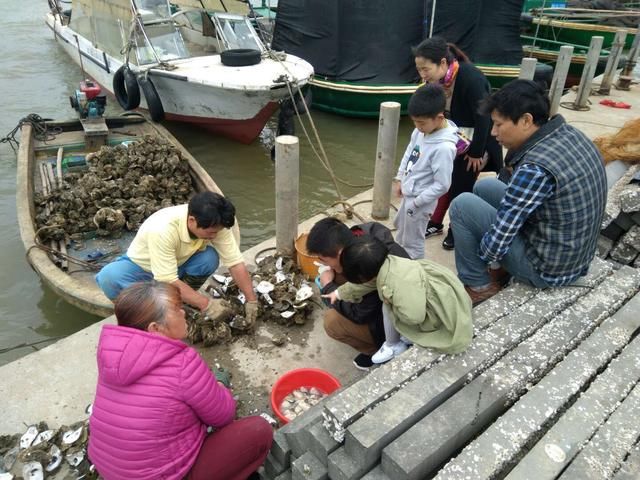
(472, 215)
(122, 272)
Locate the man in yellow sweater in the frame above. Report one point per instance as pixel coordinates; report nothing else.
(180, 243)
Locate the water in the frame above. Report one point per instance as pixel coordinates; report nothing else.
(37, 77)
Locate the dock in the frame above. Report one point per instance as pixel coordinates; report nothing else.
(547, 386)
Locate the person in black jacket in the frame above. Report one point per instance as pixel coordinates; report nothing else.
(465, 85)
(358, 325)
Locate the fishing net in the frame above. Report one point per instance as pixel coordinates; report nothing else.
(623, 145)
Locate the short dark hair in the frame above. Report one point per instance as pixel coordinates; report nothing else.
(436, 48)
(517, 98)
(362, 259)
(211, 209)
(427, 101)
(327, 237)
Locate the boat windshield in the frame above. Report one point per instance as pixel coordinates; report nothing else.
(153, 10)
(236, 31)
(166, 44)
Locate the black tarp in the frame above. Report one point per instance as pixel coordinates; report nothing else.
(370, 41)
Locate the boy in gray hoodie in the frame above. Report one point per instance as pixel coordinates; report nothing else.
(425, 171)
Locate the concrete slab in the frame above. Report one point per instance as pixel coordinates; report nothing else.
(632, 237)
(630, 469)
(308, 467)
(623, 253)
(604, 246)
(608, 448)
(321, 443)
(433, 440)
(630, 198)
(499, 447)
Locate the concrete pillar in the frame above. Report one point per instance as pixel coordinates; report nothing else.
(612, 62)
(626, 77)
(584, 89)
(560, 77)
(385, 158)
(287, 187)
(528, 68)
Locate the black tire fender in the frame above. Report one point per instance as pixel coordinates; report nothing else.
(154, 104)
(125, 88)
(240, 57)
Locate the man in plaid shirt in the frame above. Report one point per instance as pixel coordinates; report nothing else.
(542, 226)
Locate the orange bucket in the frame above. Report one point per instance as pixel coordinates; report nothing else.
(304, 260)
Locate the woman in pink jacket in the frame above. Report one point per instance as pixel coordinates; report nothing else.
(156, 398)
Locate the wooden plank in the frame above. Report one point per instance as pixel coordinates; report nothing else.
(434, 439)
(500, 446)
(612, 442)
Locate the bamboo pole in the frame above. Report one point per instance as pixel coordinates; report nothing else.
(45, 188)
(556, 89)
(385, 158)
(59, 166)
(584, 89)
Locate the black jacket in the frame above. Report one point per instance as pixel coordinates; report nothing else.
(470, 88)
(369, 310)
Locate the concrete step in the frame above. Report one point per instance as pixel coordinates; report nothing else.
(308, 467)
(608, 448)
(630, 469)
(376, 474)
(365, 439)
(433, 440)
(500, 446)
(321, 443)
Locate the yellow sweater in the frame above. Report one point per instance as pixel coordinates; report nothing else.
(163, 243)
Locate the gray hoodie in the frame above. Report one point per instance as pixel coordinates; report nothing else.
(425, 169)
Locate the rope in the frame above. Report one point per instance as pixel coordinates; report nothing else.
(40, 130)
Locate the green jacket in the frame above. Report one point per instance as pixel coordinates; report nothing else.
(430, 306)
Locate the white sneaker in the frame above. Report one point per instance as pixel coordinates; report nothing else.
(388, 351)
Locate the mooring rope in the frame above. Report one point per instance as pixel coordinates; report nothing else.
(40, 130)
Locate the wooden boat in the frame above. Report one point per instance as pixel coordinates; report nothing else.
(577, 26)
(76, 285)
(353, 99)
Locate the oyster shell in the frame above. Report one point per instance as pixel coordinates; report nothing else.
(28, 437)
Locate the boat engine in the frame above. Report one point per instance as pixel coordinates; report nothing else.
(89, 101)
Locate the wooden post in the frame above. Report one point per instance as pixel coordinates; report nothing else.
(528, 68)
(612, 62)
(287, 181)
(385, 158)
(560, 77)
(584, 89)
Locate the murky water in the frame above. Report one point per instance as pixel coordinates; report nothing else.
(36, 76)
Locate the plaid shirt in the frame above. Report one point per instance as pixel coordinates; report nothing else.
(529, 187)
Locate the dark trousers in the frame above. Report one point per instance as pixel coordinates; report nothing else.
(234, 452)
(461, 181)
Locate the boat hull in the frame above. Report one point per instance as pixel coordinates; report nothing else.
(579, 33)
(363, 101)
(79, 287)
(230, 108)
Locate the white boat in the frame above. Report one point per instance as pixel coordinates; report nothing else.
(221, 78)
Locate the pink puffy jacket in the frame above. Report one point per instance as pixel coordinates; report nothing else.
(154, 400)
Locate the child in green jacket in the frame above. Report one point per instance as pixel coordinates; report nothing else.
(422, 301)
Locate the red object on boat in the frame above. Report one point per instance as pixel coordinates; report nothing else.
(301, 377)
(90, 89)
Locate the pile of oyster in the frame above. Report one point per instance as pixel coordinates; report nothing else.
(121, 186)
(41, 453)
(283, 295)
(299, 401)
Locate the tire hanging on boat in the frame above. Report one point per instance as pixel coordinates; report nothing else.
(240, 57)
(125, 88)
(154, 104)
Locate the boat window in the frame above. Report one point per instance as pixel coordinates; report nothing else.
(81, 21)
(236, 32)
(153, 10)
(165, 40)
(110, 37)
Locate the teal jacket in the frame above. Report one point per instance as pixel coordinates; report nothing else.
(429, 304)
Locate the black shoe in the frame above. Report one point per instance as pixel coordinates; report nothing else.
(363, 362)
(433, 229)
(448, 243)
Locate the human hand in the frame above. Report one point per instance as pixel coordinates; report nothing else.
(332, 297)
(251, 312)
(396, 187)
(474, 163)
(217, 309)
